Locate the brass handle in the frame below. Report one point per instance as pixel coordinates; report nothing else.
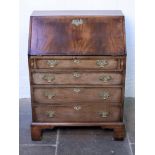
(77, 90)
(77, 107)
(105, 78)
(52, 63)
(77, 22)
(104, 95)
(48, 77)
(104, 114)
(50, 114)
(49, 95)
(101, 63)
(76, 75)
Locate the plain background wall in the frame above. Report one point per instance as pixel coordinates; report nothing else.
(26, 8)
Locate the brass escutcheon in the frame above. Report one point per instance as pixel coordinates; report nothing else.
(76, 60)
(77, 22)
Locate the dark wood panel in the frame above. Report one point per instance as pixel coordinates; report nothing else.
(102, 35)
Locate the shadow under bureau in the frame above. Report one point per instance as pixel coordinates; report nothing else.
(77, 67)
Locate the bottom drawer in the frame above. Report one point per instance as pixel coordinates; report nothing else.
(77, 113)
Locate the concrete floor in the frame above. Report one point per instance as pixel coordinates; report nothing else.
(76, 140)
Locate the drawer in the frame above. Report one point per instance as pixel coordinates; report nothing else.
(78, 63)
(77, 113)
(77, 94)
(77, 77)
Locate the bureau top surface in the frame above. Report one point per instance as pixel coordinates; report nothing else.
(78, 13)
(77, 33)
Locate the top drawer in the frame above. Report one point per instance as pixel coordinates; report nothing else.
(102, 63)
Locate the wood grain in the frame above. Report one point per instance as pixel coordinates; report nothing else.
(68, 78)
(77, 63)
(69, 114)
(76, 40)
(67, 95)
(105, 37)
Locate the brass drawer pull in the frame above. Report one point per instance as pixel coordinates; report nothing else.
(77, 90)
(101, 63)
(76, 75)
(50, 114)
(52, 63)
(77, 22)
(49, 95)
(48, 77)
(105, 78)
(104, 114)
(104, 95)
(77, 107)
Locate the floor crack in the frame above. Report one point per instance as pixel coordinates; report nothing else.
(129, 144)
(57, 141)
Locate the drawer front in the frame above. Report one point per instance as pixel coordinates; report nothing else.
(77, 113)
(78, 63)
(77, 94)
(77, 77)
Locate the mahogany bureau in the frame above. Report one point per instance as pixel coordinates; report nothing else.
(77, 65)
